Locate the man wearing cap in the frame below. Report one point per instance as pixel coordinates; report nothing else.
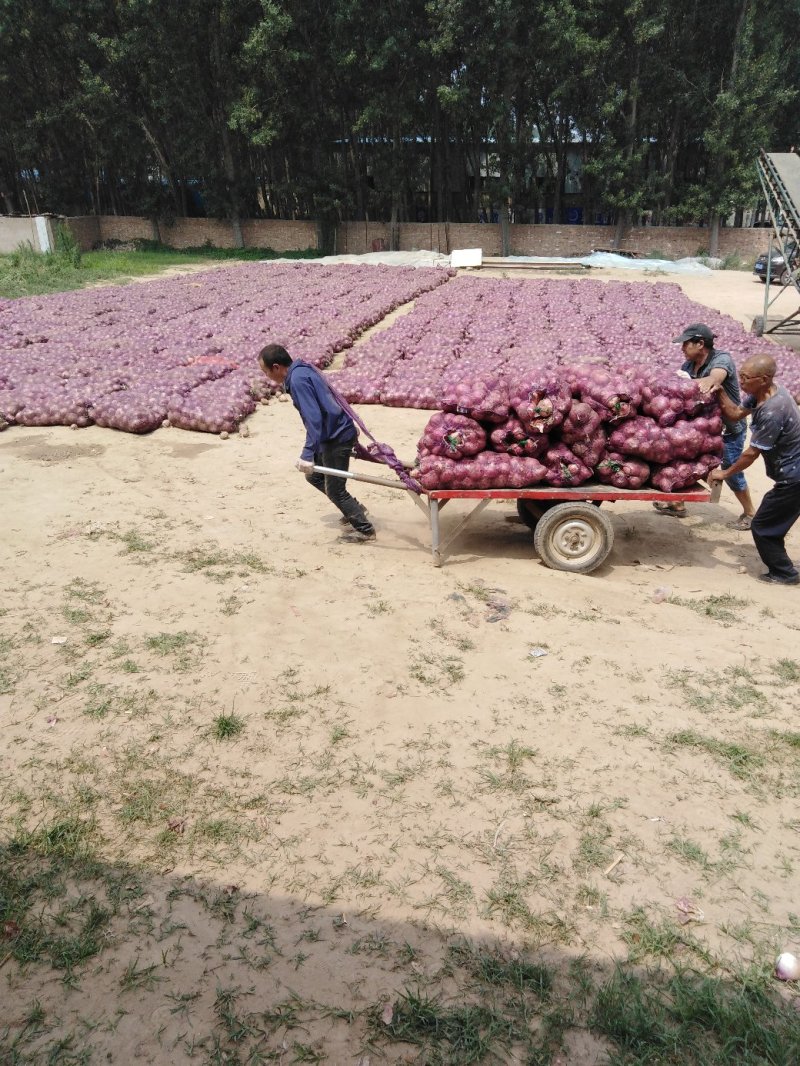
(715, 370)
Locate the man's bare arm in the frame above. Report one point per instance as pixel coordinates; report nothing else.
(732, 411)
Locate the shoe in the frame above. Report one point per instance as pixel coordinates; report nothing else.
(344, 521)
(355, 537)
(670, 509)
(775, 579)
(744, 521)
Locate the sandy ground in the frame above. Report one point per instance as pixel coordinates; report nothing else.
(408, 778)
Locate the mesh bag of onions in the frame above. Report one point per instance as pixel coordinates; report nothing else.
(481, 395)
(540, 400)
(565, 430)
(454, 436)
(487, 470)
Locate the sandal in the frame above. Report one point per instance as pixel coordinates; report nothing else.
(670, 509)
(743, 522)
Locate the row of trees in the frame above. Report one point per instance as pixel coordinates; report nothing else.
(394, 110)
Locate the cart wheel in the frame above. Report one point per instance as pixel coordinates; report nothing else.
(758, 326)
(576, 537)
(530, 511)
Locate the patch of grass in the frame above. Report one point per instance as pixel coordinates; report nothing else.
(740, 760)
(8, 680)
(82, 673)
(30, 273)
(593, 849)
(66, 839)
(791, 739)
(220, 565)
(100, 701)
(169, 643)
(226, 726)
(137, 977)
(721, 608)
(694, 1019)
(231, 605)
(94, 640)
(649, 940)
(41, 918)
(456, 1034)
(513, 754)
(86, 591)
(498, 970)
(436, 671)
(688, 850)
(786, 670)
(179, 646)
(135, 542)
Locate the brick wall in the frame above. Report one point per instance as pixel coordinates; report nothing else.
(282, 236)
(85, 229)
(279, 234)
(355, 238)
(127, 228)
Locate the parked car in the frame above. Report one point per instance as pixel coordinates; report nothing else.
(779, 272)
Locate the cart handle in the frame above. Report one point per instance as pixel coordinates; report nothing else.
(330, 472)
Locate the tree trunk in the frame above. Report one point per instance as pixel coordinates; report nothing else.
(713, 234)
(621, 228)
(223, 132)
(394, 228)
(163, 162)
(505, 234)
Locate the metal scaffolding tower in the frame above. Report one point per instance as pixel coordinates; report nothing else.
(780, 179)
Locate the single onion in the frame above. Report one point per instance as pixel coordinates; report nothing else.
(787, 967)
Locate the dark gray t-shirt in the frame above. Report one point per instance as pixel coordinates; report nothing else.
(775, 431)
(723, 361)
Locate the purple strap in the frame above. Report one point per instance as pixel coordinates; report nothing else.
(376, 452)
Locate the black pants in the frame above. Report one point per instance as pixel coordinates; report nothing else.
(778, 512)
(336, 454)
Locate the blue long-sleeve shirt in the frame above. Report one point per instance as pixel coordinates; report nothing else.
(321, 414)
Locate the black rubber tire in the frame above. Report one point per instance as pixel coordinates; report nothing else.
(758, 326)
(576, 537)
(530, 511)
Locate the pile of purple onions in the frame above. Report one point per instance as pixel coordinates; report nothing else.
(623, 428)
(184, 349)
(477, 325)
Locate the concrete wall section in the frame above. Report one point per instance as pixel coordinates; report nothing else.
(13, 231)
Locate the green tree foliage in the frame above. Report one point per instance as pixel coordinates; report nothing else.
(399, 110)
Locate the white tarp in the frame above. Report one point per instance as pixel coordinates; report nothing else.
(620, 262)
(596, 260)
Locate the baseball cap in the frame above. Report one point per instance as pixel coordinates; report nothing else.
(696, 332)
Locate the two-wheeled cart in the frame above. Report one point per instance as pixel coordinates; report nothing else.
(570, 531)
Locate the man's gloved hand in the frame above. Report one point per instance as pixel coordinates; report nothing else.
(305, 466)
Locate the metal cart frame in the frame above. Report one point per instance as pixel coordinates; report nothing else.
(570, 531)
